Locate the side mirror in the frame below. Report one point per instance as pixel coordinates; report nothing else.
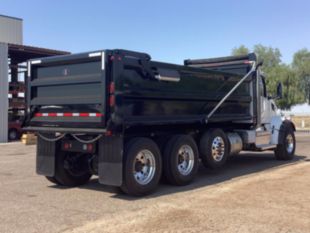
(279, 91)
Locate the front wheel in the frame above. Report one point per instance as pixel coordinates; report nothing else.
(287, 143)
(142, 167)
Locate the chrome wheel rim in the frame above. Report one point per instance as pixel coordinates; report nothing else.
(144, 167)
(185, 159)
(289, 143)
(218, 149)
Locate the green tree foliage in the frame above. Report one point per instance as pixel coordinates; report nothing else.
(291, 91)
(270, 56)
(301, 66)
(241, 50)
(292, 77)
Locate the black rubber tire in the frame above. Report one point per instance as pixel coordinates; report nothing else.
(170, 160)
(281, 152)
(52, 180)
(64, 177)
(13, 134)
(132, 148)
(205, 149)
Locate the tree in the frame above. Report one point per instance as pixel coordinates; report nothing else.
(272, 67)
(301, 65)
(275, 72)
(241, 50)
(270, 56)
(291, 91)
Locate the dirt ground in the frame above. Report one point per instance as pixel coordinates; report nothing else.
(253, 193)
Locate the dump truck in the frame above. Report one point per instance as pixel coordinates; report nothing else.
(129, 120)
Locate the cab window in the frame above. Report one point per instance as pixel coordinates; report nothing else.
(262, 86)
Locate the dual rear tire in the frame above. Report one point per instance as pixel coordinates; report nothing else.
(71, 169)
(143, 164)
(180, 160)
(214, 148)
(142, 167)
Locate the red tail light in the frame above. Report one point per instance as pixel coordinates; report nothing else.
(89, 147)
(112, 101)
(111, 88)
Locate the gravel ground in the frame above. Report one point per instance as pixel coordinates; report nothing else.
(253, 193)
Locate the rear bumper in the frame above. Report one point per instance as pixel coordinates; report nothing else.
(63, 130)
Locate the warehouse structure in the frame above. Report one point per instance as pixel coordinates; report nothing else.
(13, 55)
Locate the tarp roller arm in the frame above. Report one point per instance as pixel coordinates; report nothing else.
(253, 69)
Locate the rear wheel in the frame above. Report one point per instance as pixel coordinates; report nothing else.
(142, 167)
(286, 148)
(52, 180)
(71, 169)
(180, 160)
(214, 148)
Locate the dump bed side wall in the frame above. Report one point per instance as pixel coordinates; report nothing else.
(140, 99)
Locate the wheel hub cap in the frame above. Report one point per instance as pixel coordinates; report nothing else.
(218, 149)
(144, 167)
(185, 159)
(289, 143)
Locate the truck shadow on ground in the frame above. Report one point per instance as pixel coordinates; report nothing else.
(237, 166)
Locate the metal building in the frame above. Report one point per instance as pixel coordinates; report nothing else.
(12, 56)
(11, 30)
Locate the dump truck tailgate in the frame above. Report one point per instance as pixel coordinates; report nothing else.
(67, 91)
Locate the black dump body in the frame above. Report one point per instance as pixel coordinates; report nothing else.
(118, 89)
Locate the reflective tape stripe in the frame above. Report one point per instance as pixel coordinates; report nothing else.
(83, 114)
(68, 114)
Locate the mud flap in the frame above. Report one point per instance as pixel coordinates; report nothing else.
(46, 152)
(110, 169)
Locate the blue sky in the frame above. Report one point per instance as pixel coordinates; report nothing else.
(168, 30)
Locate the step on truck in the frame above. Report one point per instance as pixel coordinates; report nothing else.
(130, 120)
